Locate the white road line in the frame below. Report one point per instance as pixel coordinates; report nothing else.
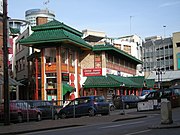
(120, 125)
(134, 133)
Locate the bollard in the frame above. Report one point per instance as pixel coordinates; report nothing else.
(166, 113)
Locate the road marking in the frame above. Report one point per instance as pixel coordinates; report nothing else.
(120, 125)
(134, 133)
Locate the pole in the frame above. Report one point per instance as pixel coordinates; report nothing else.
(130, 24)
(164, 31)
(5, 58)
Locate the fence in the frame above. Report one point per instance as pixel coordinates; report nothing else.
(28, 110)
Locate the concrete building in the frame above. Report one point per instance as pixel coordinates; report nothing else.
(157, 54)
(176, 50)
(161, 60)
(32, 14)
(130, 44)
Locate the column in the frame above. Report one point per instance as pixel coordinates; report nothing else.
(59, 78)
(76, 75)
(17, 92)
(36, 76)
(43, 74)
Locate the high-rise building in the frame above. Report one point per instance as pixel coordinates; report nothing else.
(176, 50)
(158, 54)
(32, 14)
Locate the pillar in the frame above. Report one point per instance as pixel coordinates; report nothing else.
(17, 92)
(76, 75)
(59, 78)
(36, 76)
(43, 74)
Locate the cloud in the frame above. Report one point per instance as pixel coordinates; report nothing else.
(168, 4)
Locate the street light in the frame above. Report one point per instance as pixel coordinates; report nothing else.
(159, 74)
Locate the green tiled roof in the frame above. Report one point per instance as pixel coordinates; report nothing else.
(150, 83)
(117, 81)
(54, 31)
(140, 80)
(124, 80)
(100, 81)
(56, 25)
(112, 48)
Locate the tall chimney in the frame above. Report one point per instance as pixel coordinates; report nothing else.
(41, 20)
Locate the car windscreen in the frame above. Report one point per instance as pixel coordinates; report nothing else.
(99, 99)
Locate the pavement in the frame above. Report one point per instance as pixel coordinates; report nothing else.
(33, 126)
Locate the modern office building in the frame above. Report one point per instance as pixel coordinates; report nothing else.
(157, 54)
(32, 14)
(176, 50)
(161, 60)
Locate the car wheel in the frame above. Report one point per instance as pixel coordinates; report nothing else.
(91, 112)
(55, 117)
(38, 117)
(20, 118)
(63, 116)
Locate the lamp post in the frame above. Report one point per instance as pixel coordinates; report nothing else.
(159, 74)
(5, 58)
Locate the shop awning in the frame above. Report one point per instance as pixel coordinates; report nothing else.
(100, 82)
(12, 82)
(67, 88)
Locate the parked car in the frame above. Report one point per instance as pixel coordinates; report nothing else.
(145, 93)
(20, 111)
(88, 105)
(47, 109)
(171, 94)
(153, 99)
(126, 101)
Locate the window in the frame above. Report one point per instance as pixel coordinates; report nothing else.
(127, 49)
(97, 60)
(64, 55)
(72, 58)
(178, 44)
(50, 55)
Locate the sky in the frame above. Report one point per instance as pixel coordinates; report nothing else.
(116, 18)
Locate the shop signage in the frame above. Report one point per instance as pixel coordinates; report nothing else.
(92, 72)
(50, 67)
(65, 77)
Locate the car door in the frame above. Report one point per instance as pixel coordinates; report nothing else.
(82, 106)
(69, 109)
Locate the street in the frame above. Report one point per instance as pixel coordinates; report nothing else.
(129, 127)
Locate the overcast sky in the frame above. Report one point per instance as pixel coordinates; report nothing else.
(114, 17)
